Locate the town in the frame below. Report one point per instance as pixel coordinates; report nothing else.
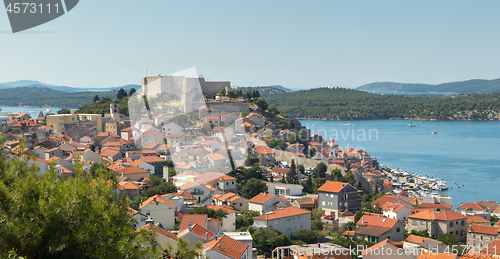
(206, 163)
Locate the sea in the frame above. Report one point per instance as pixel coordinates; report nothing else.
(32, 111)
(466, 154)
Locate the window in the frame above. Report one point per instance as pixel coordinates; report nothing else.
(456, 232)
(241, 204)
(451, 225)
(462, 222)
(323, 203)
(397, 230)
(276, 222)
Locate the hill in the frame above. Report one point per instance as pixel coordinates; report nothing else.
(32, 83)
(265, 90)
(41, 96)
(349, 104)
(469, 86)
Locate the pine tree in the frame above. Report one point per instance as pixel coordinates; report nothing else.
(131, 92)
(291, 177)
(121, 94)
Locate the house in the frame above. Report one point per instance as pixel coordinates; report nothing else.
(228, 222)
(305, 203)
(216, 159)
(54, 152)
(172, 128)
(126, 133)
(130, 189)
(493, 249)
(157, 162)
(143, 165)
(133, 173)
(392, 199)
(225, 183)
(257, 119)
(396, 211)
(226, 247)
(474, 208)
(264, 202)
(151, 135)
(265, 132)
(140, 218)
(176, 198)
(200, 191)
(110, 154)
(335, 197)
(286, 219)
(490, 205)
(435, 223)
(210, 121)
(478, 220)
(189, 220)
(175, 140)
(435, 206)
(162, 236)
(388, 249)
(376, 228)
(160, 209)
(195, 233)
(265, 155)
(239, 203)
(228, 119)
(480, 236)
(284, 189)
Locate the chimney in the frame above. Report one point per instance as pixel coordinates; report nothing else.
(363, 220)
(190, 228)
(206, 236)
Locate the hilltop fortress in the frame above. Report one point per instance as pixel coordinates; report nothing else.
(187, 89)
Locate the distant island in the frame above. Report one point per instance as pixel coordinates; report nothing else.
(68, 89)
(469, 86)
(265, 90)
(350, 104)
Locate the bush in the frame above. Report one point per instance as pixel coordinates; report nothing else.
(316, 225)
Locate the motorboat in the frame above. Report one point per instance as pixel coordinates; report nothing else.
(412, 125)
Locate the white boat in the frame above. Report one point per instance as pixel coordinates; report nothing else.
(434, 132)
(412, 125)
(48, 110)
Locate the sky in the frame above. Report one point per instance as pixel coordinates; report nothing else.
(296, 44)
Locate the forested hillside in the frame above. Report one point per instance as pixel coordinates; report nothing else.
(38, 96)
(349, 104)
(469, 86)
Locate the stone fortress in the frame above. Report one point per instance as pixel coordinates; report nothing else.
(191, 91)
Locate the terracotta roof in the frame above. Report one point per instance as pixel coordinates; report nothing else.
(150, 159)
(379, 245)
(216, 156)
(150, 133)
(191, 219)
(151, 227)
(225, 208)
(111, 143)
(416, 239)
(225, 196)
(372, 230)
(151, 145)
(281, 170)
(476, 219)
(264, 150)
(129, 186)
(262, 197)
(435, 205)
(438, 256)
(472, 205)
(131, 170)
(156, 198)
(348, 233)
(447, 215)
(392, 206)
(492, 205)
(109, 153)
(200, 230)
(331, 186)
(379, 221)
(482, 229)
(234, 198)
(283, 213)
(227, 246)
(493, 247)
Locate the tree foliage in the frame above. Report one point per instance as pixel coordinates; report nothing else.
(320, 171)
(245, 219)
(306, 235)
(266, 239)
(216, 214)
(64, 111)
(121, 94)
(252, 188)
(159, 186)
(48, 217)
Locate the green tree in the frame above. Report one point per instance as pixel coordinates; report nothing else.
(349, 178)
(292, 176)
(238, 93)
(317, 214)
(159, 186)
(306, 235)
(266, 239)
(182, 249)
(135, 203)
(216, 214)
(261, 104)
(222, 92)
(121, 94)
(248, 95)
(320, 171)
(245, 219)
(255, 94)
(317, 225)
(49, 217)
(252, 188)
(64, 111)
(96, 98)
(131, 92)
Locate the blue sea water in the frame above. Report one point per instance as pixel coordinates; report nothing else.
(32, 111)
(465, 154)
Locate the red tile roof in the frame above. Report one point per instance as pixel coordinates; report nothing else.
(331, 186)
(225, 208)
(156, 198)
(472, 205)
(416, 239)
(201, 231)
(482, 229)
(151, 227)
(262, 197)
(129, 186)
(476, 219)
(200, 219)
(447, 215)
(131, 170)
(264, 150)
(377, 221)
(283, 213)
(493, 247)
(227, 246)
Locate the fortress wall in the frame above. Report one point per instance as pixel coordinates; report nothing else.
(227, 106)
(210, 88)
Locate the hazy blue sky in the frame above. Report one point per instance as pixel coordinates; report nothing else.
(297, 44)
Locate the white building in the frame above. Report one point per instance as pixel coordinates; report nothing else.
(161, 210)
(264, 202)
(287, 219)
(396, 211)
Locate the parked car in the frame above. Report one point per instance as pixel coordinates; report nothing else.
(328, 217)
